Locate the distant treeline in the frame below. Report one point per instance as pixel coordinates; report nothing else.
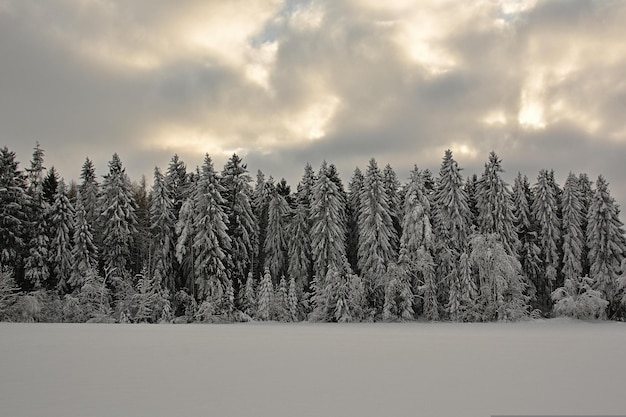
(203, 245)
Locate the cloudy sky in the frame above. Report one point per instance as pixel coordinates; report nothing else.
(286, 82)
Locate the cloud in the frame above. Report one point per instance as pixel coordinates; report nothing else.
(286, 82)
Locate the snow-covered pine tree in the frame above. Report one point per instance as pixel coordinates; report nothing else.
(49, 185)
(299, 242)
(605, 238)
(211, 243)
(292, 300)
(342, 297)
(90, 190)
(84, 252)
(398, 294)
(118, 219)
(585, 187)
(242, 224)
(13, 222)
(494, 204)
(327, 229)
(36, 269)
(416, 225)
(470, 188)
(376, 235)
(392, 189)
(265, 296)
(248, 300)
(185, 235)
(529, 252)
(141, 251)
(501, 285)
(355, 188)
(545, 212)
(428, 286)
(62, 219)
(275, 244)
(260, 203)
(162, 226)
(178, 185)
(573, 238)
(281, 305)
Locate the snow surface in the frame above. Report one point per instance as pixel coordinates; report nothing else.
(271, 369)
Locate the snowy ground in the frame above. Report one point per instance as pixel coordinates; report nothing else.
(414, 369)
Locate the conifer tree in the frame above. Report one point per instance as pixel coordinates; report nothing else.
(162, 226)
(185, 235)
(275, 239)
(13, 222)
(265, 296)
(49, 185)
(292, 300)
(178, 185)
(376, 234)
(90, 190)
(281, 305)
(37, 271)
(327, 230)
(341, 298)
(471, 185)
(398, 294)
(62, 217)
(142, 238)
(585, 187)
(242, 224)
(299, 241)
(573, 239)
(249, 296)
(605, 239)
(211, 243)
(260, 202)
(392, 189)
(545, 211)
(416, 224)
(428, 287)
(355, 188)
(494, 204)
(84, 252)
(118, 219)
(529, 252)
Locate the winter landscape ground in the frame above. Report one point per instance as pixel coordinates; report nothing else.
(557, 366)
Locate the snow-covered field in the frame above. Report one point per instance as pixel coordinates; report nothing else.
(270, 369)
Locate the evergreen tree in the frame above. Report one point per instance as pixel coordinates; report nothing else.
(211, 243)
(265, 296)
(141, 251)
(471, 188)
(341, 298)
(573, 238)
(37, 271)
(529, 252)
(281, 305)
(185, 235)
(84, 252)
(376, 234)
(292, 300)
(13, 222)
(49, 186)
(398, 294)
(284, 190)
(585, 187)
(606, 243)
(162, 225)
(90, 190)
(178, 187)
(249, 297)
(327, 230)
(355, 188)
(299, 252)
(494, 203)
(261, 195)
(545, 212)
(242, 224)
(428, 286)
(275, 239)
(118, 219)
(63, 229)
(416, 225)
(392, 189)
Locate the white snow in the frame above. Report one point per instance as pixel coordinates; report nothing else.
(270, 369)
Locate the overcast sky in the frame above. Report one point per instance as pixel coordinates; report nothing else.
(286, 82)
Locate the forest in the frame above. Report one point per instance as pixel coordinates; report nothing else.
(204, 245)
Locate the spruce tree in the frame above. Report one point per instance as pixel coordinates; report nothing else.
(141, 252)
(586, 196)
(118, 219)
(529, 252)
(275, 244)
(90, 190)
(416, 224)
(178, 185)
(248, 302)
(327, 230)
(242, 223)
(494, 204)
(265, 296)
(398, 294)
(355, 188)
(573, 238)
(211, 243)
(49, 185)
(545, 211)
(299, 252)
(185, 235)
(84, 252)
(292, 300)
(376, 234)
(62, 219)
(281, 305)
(13, 222)
(392, 189)
(162, 226)
(260, 202)
(605, 239)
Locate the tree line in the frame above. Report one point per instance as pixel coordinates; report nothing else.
(204, 245)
